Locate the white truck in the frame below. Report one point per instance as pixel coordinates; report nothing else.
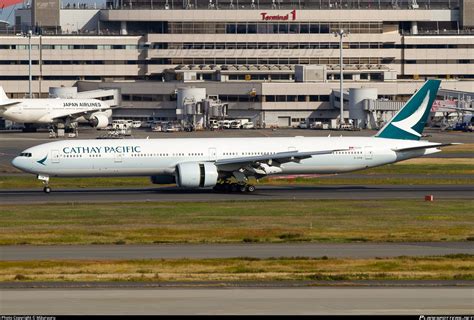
(225, 124)
(248, 125)
(213, 124)
(319, 125)
(303, 125)
(238, 123)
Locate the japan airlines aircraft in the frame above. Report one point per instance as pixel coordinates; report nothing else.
(54, 111)
(228, 163)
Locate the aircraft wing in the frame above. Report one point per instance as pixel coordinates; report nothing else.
(433, 145)
(82, 113)
(274, 160)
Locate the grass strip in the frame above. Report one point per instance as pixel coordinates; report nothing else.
(233, 222)
(452, 267)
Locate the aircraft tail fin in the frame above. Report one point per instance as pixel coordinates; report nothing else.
(409, 122)
(5, 102)
(3, 95)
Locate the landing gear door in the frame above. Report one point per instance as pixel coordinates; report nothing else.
(212, 154)
(369, 153)
(54, 156)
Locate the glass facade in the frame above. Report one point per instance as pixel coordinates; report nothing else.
(271, 27)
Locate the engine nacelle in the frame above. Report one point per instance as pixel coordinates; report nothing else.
(99, 120)
(196, 175)
(163, 179)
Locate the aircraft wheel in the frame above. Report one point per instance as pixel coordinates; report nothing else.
(47, 190)
(250, 188)
(242, 188)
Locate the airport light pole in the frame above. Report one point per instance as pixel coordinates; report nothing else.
(341, 33)
(29, 34)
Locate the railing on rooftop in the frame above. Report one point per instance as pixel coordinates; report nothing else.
(443, 32)
(282, 4)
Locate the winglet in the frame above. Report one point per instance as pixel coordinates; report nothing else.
(409, 122)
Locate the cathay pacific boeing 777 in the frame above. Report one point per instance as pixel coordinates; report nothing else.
(228, 163)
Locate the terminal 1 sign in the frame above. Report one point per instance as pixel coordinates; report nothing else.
(278, 17)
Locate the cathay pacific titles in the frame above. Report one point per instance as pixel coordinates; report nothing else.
(106, 149)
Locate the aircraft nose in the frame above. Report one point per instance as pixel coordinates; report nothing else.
(17, 163)
(22, 162)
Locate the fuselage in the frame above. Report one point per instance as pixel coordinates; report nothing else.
(147, 157)
(51, 110)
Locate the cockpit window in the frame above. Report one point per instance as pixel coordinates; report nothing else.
(25, 154)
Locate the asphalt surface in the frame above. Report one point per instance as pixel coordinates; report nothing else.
(207, 251)
(320, 300)
(167, 194)
(277, 284)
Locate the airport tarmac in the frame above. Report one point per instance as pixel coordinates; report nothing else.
(318, 300)
(214, 251)
(171, 194)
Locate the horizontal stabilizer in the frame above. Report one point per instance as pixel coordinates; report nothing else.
(433, 145)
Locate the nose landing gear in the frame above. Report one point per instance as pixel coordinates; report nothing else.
(45, 180)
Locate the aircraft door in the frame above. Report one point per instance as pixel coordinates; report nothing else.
(369, 153)
(118, 158)
(212, 154)
(55, 156)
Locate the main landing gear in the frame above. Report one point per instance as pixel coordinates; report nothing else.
(234, 187)
(45, 180)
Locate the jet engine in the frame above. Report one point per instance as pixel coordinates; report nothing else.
(99, 120)
(163, 179)
(196, 175)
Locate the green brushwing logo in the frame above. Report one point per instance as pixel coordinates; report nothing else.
(42, 160)
(409, 122)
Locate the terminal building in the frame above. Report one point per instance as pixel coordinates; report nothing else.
(274, 62)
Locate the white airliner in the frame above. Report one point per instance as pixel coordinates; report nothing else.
(54, 111)
(228, 163)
